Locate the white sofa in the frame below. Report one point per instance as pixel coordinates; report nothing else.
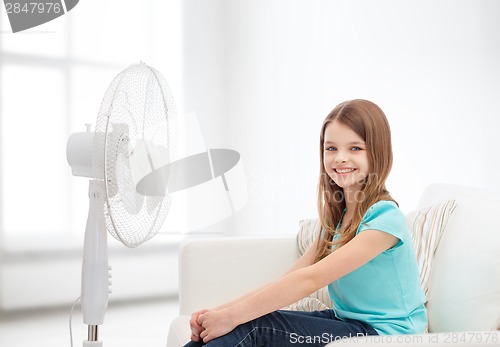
(464, 296)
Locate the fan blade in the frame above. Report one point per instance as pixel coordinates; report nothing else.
(153, 202)
(131, 201)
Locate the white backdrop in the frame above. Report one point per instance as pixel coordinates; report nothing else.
(262, 75)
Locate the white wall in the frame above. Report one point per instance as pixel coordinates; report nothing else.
(262, 75)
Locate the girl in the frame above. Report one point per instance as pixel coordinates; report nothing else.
(364, 253)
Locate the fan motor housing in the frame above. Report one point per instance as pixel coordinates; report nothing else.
(79, 153)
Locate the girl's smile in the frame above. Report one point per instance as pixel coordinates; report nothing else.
(344, 171)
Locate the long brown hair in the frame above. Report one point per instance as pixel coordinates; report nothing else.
(369, 122)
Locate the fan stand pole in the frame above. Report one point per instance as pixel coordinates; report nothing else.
(95, 269)
(93, 337)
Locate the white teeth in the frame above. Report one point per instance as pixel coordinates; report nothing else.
(344, 170)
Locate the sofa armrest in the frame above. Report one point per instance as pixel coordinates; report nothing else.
(214, 271)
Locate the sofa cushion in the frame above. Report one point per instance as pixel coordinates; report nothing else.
(308, 304)
(426, 227)
(309, 229)
(465, 278)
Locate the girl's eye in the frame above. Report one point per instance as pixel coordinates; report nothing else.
(330, 148)
(356, 149)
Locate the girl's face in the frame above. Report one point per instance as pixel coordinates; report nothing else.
(344, 156)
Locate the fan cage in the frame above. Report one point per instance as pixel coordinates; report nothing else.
(137, 109)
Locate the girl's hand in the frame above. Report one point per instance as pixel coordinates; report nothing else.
(215, 323)
(196, 328)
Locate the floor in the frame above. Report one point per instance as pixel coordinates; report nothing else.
(134, 324)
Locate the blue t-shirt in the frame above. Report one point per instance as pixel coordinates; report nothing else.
(385, 292)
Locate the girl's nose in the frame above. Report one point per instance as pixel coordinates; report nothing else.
(340, 159)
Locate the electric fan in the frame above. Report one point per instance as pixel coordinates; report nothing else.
(126, 159)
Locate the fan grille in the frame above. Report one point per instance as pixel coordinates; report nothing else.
(137, 112)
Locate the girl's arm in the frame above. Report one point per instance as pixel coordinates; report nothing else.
(297, 284)
(305, 260)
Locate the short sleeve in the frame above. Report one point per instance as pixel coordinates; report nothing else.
(387, 217)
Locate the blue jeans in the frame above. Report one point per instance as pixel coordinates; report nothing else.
(290, 328)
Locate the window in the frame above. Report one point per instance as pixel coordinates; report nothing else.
(53, 78)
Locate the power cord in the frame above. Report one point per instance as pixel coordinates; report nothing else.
(70, 315)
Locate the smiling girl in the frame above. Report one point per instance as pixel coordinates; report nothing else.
(364, 253)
